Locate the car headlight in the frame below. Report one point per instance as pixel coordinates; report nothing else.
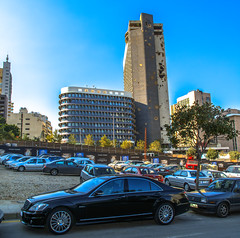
(38, 207)
(204, 200)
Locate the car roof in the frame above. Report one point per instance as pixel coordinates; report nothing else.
(99, 165)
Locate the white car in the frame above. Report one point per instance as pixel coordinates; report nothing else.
(233, 171)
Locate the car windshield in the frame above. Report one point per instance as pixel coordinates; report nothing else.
(88, 185)
(219, 175)
(104, 171)
(224, 185)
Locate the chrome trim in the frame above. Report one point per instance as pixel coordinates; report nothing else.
(100, 218)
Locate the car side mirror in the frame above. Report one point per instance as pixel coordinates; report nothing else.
(98, 193)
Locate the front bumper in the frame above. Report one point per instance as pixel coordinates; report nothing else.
(203, 207)
(33, 219)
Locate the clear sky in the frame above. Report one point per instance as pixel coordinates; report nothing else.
(58, 43)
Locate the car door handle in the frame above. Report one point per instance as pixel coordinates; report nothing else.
(120, 197)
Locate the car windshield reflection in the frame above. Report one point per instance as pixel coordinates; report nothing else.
(221, 186)
(88, 185)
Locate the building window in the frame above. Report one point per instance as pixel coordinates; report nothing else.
(27, 119)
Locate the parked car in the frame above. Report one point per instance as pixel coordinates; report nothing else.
(220, 197)
(143, 171)
(214, 174)
(46, 155)
(115, 163)
(3, 156)
(127, 163)
(81, 161)
(62, 167)
(15, 159)
(1, 216)
(233, 171)
(102, 199)
(155, 165)
(170, 169)
(11, 157)
(94, 170)
(187, 179)
(33, 164)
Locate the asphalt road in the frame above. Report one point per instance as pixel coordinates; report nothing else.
(186, 225)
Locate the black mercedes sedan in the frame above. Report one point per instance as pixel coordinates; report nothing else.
(104, 198)
(220, 197)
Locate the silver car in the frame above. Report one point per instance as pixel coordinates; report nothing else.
(187, 179)
(15, 160)
(33, 164)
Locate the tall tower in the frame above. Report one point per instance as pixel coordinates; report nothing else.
(6, 87)
(145, 76)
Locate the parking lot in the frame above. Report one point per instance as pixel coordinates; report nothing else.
(21, 185)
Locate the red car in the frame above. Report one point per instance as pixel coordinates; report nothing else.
(143, 171)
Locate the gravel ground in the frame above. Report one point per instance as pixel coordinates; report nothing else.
(20, 185)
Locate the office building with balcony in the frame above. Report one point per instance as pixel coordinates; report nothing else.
(145, 76)
(97, 112)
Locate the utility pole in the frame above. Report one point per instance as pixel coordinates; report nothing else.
(80, 130)
(113, 132)
(145, 145)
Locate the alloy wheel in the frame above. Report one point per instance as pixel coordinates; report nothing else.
(166, 213)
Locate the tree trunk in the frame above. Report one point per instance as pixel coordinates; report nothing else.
(198, 168)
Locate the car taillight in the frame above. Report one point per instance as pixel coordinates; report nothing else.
(167, 170)
(210, 180)
(195, 180)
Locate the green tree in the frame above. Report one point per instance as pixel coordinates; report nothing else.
(72, 139)
(126, 144)
(155, 146)
(105, 142)
(234, 155)
(50, 137)
(56, 136)
(12, 128)
(140, 145)
(196, 126)
(212, 154)
(25, 137)
(191, 152)
(89, 140)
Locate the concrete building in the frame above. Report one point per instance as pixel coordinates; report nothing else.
(234, 144)
(145, 76)
(97, 112)
(32, 124)
(190, 98)
(3, 106)
(6, 84)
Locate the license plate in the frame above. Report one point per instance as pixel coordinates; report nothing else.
(203, 182)
(194, 205)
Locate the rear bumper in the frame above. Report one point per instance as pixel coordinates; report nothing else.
(182, 208)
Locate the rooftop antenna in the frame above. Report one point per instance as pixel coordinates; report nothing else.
(7, 58)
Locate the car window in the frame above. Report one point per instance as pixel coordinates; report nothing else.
(237, 187)
(237, 170)
(184, 174)
(230, 169)
(88, 162)
(88, 185)
(86, 168)
(194, 174)
(138, 185)
(103, 171)
(112, 187)
(70, 163)
(134, 170)
(90, 171)
(60, 162)
(41, 161)
(151, 171)
(154, 187)
(144, 171)
(221, 185)
(177, 173)
(32, 161)
(128, 170)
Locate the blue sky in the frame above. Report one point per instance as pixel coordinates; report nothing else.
(58, 43)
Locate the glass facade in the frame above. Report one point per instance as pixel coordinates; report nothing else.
(98, 112)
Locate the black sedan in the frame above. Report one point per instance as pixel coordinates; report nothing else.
(62, 167)
(220, 197)
(104, 198)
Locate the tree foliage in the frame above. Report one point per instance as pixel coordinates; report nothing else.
(234, 155)
(191, 152)
(212, 154)
(9, 132)
(140, 145)
(155, 146)
(196, 125)
(126, 144)
(89, 140)
(72, 139)
(105, 142)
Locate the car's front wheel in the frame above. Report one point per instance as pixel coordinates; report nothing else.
(167, 182)
(187, 187)
(21, 168)
(165, 214)
(222, 210)
(54, 172)
(60, 221)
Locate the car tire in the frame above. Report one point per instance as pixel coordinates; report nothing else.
(167, 182)
(187, 187)
(21, 169)
(164, 214)
(54, 172)
(223, 210)
(60, 220)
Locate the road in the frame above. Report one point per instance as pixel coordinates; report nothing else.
(187, 225)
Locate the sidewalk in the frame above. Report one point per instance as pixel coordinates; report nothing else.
(11, 209)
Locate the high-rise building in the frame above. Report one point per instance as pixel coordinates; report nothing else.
(6, 84)
(31, 124)
(190, 98)
(145, 76)
(97, 112)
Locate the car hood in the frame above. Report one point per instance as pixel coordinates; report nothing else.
(46, 197)
(205, 193)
